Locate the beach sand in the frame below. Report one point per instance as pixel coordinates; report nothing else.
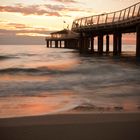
(74, 126)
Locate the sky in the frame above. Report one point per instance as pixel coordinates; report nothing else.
(29, 21)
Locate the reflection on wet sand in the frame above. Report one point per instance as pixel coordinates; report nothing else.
(28, 106)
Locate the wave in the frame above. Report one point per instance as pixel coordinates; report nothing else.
(84, 107)
(21, 70)
(26, 54)
(19, 55)
(96, 71)
(33, 71)
(43, 71)
(91, 107)
(3, 57)
(47, 70)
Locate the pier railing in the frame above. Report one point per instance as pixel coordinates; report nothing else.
(116, 17)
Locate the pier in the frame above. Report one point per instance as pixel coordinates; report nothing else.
(84, 30)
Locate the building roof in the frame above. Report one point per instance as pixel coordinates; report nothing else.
(64, 31)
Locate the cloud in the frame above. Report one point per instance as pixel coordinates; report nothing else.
(15, 29)
(17, 25)
(62, 8)
(29, 10)
(22, 39)
(22, 27)
(46, 9)
(66, 1)
(23, 36)
(15, 32)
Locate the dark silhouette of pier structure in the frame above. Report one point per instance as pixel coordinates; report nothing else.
(84, 30)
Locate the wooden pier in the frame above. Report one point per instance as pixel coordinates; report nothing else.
(84, 30)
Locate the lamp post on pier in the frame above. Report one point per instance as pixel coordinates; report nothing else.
(66, 24)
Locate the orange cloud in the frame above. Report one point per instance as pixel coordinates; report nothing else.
(28, 10)
(16, 29)
(17, 25)
(46, 9)
(62, 8)
(30, 34)
(66, 1)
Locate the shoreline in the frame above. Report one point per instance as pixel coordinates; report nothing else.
(74, 126)
(58, 118)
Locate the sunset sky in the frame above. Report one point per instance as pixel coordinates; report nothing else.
(29, 21)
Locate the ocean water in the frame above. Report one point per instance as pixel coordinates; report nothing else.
(35, 80)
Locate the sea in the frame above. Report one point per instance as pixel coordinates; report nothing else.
(35, 80)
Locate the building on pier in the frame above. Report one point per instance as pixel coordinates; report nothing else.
(63, 38)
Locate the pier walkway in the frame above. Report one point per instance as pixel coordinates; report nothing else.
(85, 29)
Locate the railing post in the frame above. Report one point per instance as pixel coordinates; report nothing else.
(98, 19)
(124, 14)
(128, 12)
(138, 11)
(85, 21)
(133, 11)
(113, 16)
(106, 18)
(92, 20)
(120, 15)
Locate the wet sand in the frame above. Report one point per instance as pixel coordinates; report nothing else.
(78, 126)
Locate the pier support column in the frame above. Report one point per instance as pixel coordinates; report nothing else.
(81, 43)
(68, 44)
(92, 44)
(47, 43)
(86, 44)
(60, 43)
(76, 44)
(138, 41)
(107, 44)
(50, 44)
(115, 44)
(100, 44)
(119, 43)
(56, 44)
(65, 44)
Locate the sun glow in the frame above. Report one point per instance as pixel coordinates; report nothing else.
(30, 34)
